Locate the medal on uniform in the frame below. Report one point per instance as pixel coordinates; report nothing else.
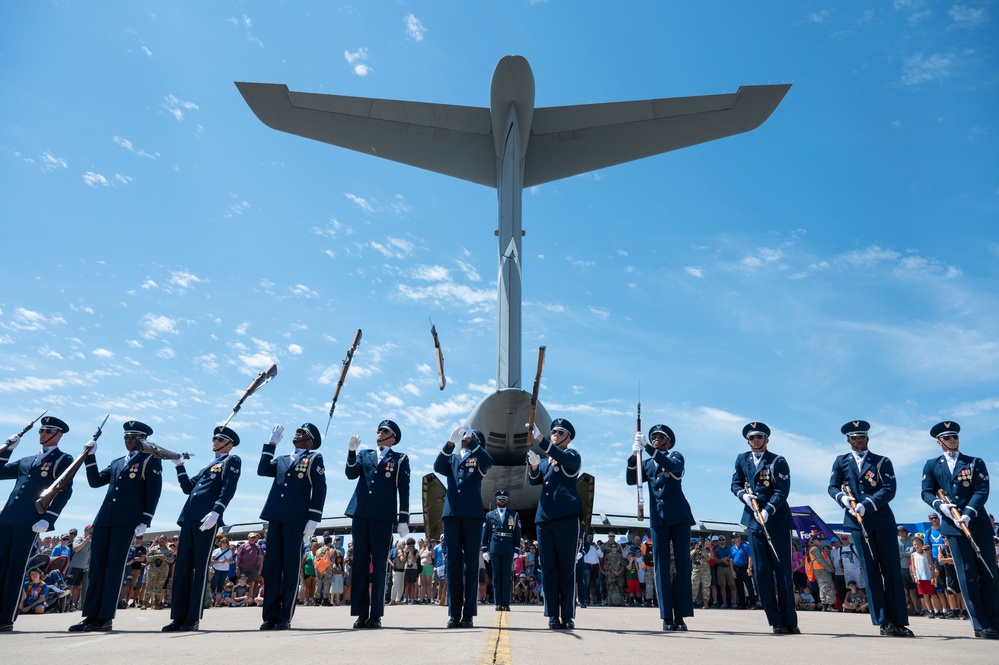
(301, 475)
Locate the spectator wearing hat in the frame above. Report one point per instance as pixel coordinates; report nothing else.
(670, 518)
(208, 495)
(557, 519)
(464, 462)
(855, 599)
(501, 546)
(870, 479)
(382, 475)
(134, 483)
(742, 566)
(964, 481)
(19, 521)
(905, 550)
(292, 511)
(764, 477)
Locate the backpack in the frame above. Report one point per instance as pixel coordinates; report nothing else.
(323, 560)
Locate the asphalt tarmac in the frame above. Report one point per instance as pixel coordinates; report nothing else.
(416, 634)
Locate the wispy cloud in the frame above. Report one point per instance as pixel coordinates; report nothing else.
(50, 162)
(127, 145)
(357, 60)
(920, 68)
(177, 107)
(393, 248)
(966, 16)
(247, 25)
(158, 325)
(414, 27)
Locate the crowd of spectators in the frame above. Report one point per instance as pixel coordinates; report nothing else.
(827, 573)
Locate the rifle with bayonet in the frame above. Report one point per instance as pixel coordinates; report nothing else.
(24, 431)
(261, 379)
(955, 516)
(441, 379)
(759, 518)
(343, 375)
(66, 477)
(860, 520)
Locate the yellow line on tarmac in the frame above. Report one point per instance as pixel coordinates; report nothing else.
(497, 649)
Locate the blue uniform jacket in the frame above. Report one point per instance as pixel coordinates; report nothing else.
(211, 489)
(464, 480)
(501, 537)
(31, 481)
(558, 474)
(298, 492)
(968, 488)
(663, 471)
(378, 484)
(874, 486)
(771, 484)
(133, 489)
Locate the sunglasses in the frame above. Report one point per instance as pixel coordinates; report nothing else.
(657, 437)
(949, 437)
(48, 430)
(757, 437)
(132, 437)
(219, 438)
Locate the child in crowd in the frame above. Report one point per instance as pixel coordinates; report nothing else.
(632, 585)
(35, 593)
(226, 597)
(856, 599)
(921, 568)
(241, 593)
(804, 600)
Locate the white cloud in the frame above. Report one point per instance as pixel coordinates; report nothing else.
(158, 325)
(470, 272)
(449, 292)
(165, 352)
(302, 291)
(394, 248)
(124, 179)
(411, 389)
(103, 353)
(127, 145)
(361, 203)
(149, 54)
(414, 28)
(599, 312)
(295, 349)
(356, 61)
(430, 273)
(247, 24)
(921, 69)
(92, 179)
(764, 256)
(176, 107)
(184, 280)
(46, 352)
(207, 362)
(968, 17)
(693, 271)
(50, 162)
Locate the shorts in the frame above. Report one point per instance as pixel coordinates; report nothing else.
(634, 586)
(411, 575)
(74, 577)
(950, 578)
(907, 581)
(427, 571)
(252, 574)
(726, 576)
(926, 588)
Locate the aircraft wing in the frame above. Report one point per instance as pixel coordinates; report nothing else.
(453, 140)
(570, 140)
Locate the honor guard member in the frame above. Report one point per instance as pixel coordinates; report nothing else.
(463, 518)
(871, 480)
(500, 546)
(965, 481)
(208, 495)
(134, 483)
(382, 475)
(670, 519)
(557, 519)
(19, 521)
(769, 480)
(293, 509)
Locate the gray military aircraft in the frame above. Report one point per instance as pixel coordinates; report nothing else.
(510, 145)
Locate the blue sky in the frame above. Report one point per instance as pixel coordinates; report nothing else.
(162, 246)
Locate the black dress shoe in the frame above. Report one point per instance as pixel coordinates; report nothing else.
(568, 624)
(82, 627)
(904, 632)
(282, 625)
(553, 624)
(189, 625)
(6, 627)
(990, 633)
(780, 629)
(373, 622)
(467, 623)
(454, 622)
(505, 608)
(680, 625)
(794, 630)
(171, 627)
(99, 626)
(668, 625)
(360, 622)
(269, 625)
(890, 629)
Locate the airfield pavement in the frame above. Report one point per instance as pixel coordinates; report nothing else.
(415, 635)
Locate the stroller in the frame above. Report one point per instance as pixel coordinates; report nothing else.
(53, 571)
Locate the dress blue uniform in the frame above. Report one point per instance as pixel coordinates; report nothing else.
(297, 496)
(873, 485)
(769, 478)
(134, 484)
(373, 511)
(670, 519)
(209, 491)
(501, 540)
(557, 520)
(32, 476)
(463, 517)
(967, 486)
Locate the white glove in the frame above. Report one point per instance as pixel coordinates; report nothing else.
(179, 461)
(354, 443)
(276, 434)
(965, 519)
(636, 448)
(533, 458)
(859, 510)
(209, 521)
(485, 557)
(640, 439)
(747, 498)
(403, 529)
(140, 530)
(946, 509)
(537, 433)
(846, 501)
(41, 526)
(13, 440)
(579, 555)
(457, 435)
(91, 447)
(310, 528)
(764, 516)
